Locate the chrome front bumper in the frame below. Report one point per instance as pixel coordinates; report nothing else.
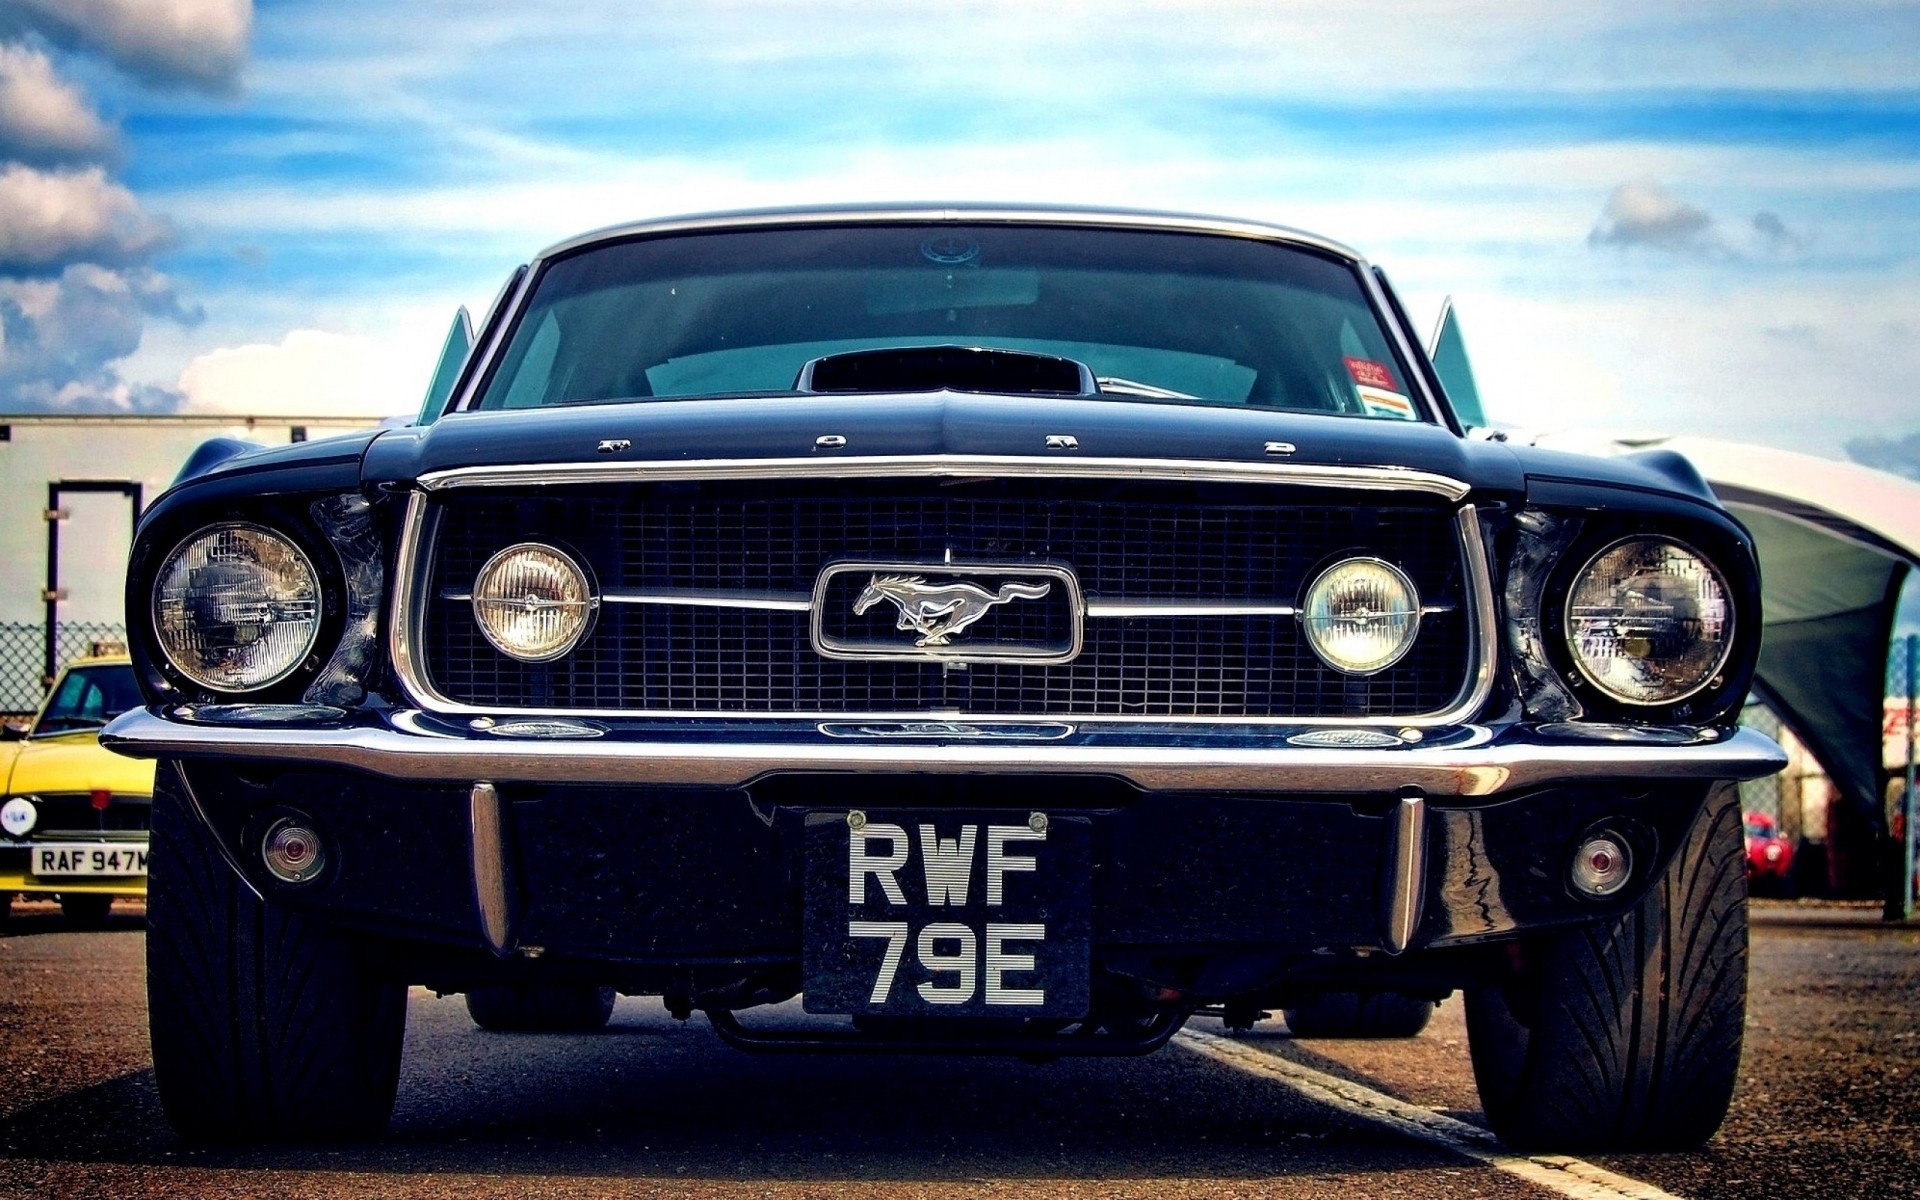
(1465, 760)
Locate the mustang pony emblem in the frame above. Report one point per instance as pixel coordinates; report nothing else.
(938, 611)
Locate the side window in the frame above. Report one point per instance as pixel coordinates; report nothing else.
(453, 354)
(1450, 363)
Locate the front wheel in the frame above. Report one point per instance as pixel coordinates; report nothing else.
(1625, 1034)
(267, 1025)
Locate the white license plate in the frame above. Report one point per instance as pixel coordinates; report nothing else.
(86, 858)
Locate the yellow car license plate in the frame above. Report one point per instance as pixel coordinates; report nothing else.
(102, 858)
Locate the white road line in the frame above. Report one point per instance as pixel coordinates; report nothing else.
(1570, 1177)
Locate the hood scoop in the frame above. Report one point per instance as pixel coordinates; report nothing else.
(899, 369)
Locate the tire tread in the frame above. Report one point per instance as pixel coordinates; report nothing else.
(1635, 1041)
(266, 1025)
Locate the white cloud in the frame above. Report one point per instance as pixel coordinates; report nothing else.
(48, 218)
(60, 336)
(43, 118)
(1642, 213)
(196, 43)
(1702, 356)
(310, 372)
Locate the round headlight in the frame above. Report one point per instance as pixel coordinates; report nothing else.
(533, 602)
(236, 608)
(1649, 621)
(18, 816)
(1361, 615)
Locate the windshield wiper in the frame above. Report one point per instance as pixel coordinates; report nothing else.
(1133, 387)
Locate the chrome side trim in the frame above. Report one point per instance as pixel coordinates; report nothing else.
(488, 839)
(1408, 882)
(411, 601)
(1479, 765)
(921, 466)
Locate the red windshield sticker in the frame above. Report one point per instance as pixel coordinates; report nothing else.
(1369, 373)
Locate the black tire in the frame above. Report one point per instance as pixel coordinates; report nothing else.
(6, 908)
(1360, 1015)
(86, 910)
(548, 1009)
(1627, 1034)
(267, 1025)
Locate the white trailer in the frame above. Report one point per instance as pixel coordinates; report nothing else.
(73, 488)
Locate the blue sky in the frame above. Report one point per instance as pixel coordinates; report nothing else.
(1700, 218)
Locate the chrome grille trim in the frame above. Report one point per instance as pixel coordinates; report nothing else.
(411, 597)
(1096, 607)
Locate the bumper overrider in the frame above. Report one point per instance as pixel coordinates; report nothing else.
(1222, 860)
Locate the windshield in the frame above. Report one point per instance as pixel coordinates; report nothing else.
(89, 697)
(1157, 317)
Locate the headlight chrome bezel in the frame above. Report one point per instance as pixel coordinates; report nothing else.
(317, 584)
(589, 589)
(1584, 674)
(1313, 639)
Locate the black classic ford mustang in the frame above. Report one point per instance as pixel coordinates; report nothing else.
(1009, 631)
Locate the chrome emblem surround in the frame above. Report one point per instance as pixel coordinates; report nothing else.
(939, 603)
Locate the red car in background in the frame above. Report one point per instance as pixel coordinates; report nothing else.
(1769, 855)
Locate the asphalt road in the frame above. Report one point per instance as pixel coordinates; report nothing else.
(1829, 1104)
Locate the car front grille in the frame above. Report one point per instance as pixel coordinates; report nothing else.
(73, 815)
(1128, 542)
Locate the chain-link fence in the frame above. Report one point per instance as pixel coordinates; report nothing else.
(23, 657)
(1768, 795)
(1903, 681)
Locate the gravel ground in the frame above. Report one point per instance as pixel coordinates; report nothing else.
(1829, 1105)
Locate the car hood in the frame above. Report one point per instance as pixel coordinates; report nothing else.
(924, 424)
(75, 762)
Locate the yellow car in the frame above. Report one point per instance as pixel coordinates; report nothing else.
(74, 818)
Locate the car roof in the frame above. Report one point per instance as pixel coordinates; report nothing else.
(99, 660)
(1018, 214)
